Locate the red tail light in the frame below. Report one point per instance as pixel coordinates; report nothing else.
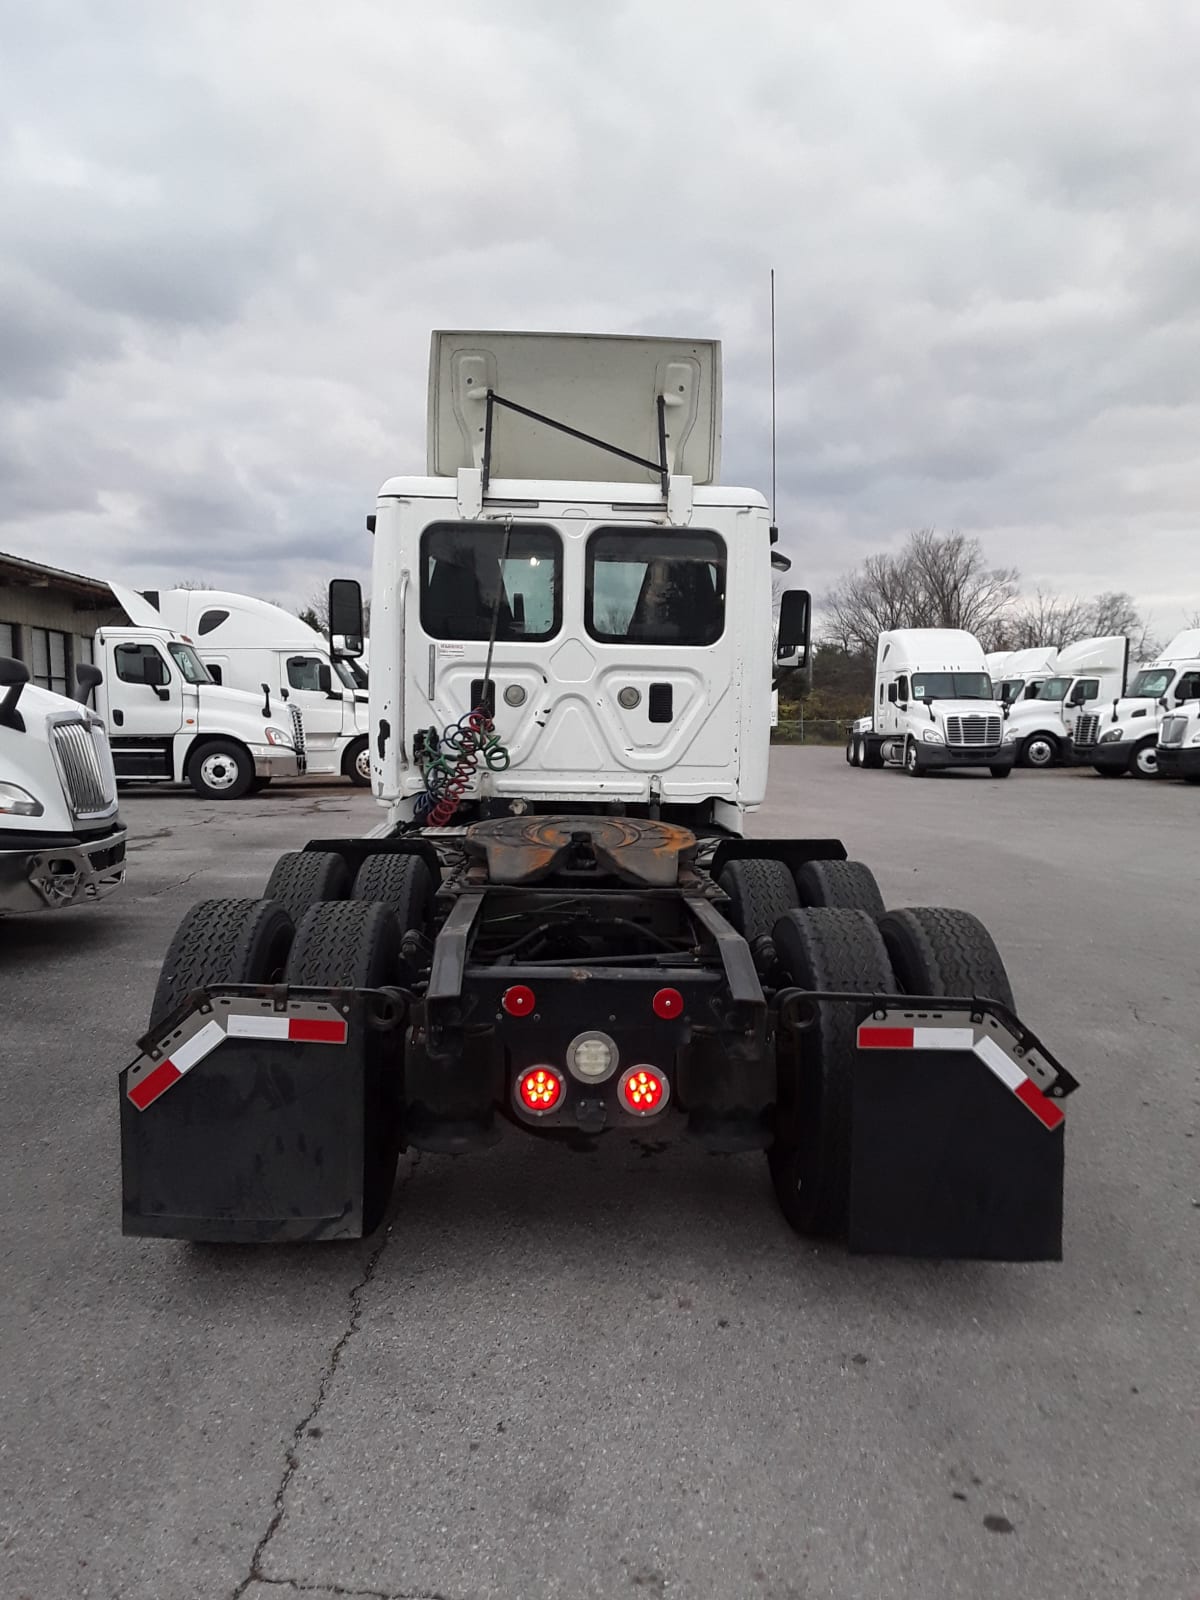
(519, 1001)
(667, 1004)
(540, 1089)
(643, 1091)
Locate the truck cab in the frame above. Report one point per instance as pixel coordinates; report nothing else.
(168, 721)
(1041, 727)
(1178, 748)
(247, 643)
(61, 840)
(1125, 739)
(1017, 674)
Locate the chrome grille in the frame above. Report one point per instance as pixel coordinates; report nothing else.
(973, 730)
(88, 781)
(1087, 731)
(1172, 730)
(298, 737)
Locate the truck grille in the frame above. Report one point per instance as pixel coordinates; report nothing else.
(1087, 731)
(1172, 730)
(973, 730)
(298, 737)
(87, 778)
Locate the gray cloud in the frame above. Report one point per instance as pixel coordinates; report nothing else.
(227, 231)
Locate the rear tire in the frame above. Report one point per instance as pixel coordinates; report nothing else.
(356, 764)
(1110, 772)
(1191, 777)
(1143, 763)
(1000, 772)
(303, 878)
(403, 883)
(760, 892)
(844, 885)
(223, 941)
(219, 769)
(350, 944)
(938, 951)
(810, 1159)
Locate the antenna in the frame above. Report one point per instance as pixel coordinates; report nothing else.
(773, 396)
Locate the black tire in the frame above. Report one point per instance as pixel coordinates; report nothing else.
(760, 891)
(1040, 750)
(353, 945)
(258, 785)
(1000, 772)
(223, 941)
(845, 885)
(809, 1161)
(937, 951)
(851, 743)
(303, 878)
(1110, 772)
(356, 763)
(403, 883)
(871, 756)
(912, 760)
(1191, 777)
(1143, 763)
(219, 769)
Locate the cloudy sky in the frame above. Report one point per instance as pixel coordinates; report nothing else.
(228, 226)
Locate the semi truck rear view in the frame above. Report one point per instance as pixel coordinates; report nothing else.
(559, 926)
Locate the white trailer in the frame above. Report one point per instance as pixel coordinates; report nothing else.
(1124, 740)
(251, 645)
(1041, 727)
(932, 707)
(61, 839)
(559, 924)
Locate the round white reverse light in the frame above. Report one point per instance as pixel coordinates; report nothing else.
(592, 1057)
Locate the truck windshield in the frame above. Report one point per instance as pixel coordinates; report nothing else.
(1152, 683)
(464, 583)
(1008, 690)
(189, 663)
(1053, 689)
(951, 686)
(655, 587)
(342, 668)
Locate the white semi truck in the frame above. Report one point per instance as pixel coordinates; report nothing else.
(932, 707)
(559, 924)
(1016, 674)
(249, 644)
(61, 839)
(168, 722)
(1124, 739)
(1178, 747)
(1040, 728)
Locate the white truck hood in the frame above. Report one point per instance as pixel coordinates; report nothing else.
(27, 759)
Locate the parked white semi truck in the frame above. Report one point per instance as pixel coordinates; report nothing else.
(1178, 747)
(1040, 728)
(1016, 674)
(168, 722)
(932, 707)
(61, 840)
(558, 924)
(1124, 739)
(249, 644)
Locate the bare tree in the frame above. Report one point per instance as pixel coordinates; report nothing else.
(1047, 621)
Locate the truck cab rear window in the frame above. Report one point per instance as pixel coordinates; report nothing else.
(655, 586)
(467, 579)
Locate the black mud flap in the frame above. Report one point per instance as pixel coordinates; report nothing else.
(257, 1120)
(956, 1151)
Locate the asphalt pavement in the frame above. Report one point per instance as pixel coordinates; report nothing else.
(620, 1374)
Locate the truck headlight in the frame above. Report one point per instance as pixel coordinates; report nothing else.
(18, 802)
(1011, 735)
(1195, 739)
(1112, 736)
(279, 736)
(932, 736)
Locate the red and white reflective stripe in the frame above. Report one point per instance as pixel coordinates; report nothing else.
(293, 1030)
(871, 1036)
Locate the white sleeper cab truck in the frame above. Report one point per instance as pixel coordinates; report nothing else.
(169, 722)
(1179, 743)
(559, 924)
(1041, 727)
(1124, 738)
(1017, 674)
(254, 646)
(933, 707)
(61, 840)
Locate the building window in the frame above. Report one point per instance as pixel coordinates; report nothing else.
(8, 640)
(49, 659)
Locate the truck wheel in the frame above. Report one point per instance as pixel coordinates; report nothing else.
(912, 761)
(1000, 772)
(347, 944)
(845, 885)
(220, 770)
(356, 764)
(851, 750)
(759, 891)
(871, 754)
(821, 948)
(403, 883)
(1144, 761)
(1110, 772)
(223, 941)
(302, 878)
(1039, 750)
(937, 951)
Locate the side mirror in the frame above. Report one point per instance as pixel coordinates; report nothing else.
(345, 619)
(1077, 696)
(794, 641)
(87, 678)
(14, 675)
(325, 680)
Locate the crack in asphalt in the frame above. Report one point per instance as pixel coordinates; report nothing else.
(292, 1459)
(299, 1587)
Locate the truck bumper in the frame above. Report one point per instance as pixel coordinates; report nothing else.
(50, 876)
(276, 761)
(937, 757)
(1106, 757)
(1174, 762)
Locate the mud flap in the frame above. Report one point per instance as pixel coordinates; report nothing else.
(256, 1119)
(956, 1149)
